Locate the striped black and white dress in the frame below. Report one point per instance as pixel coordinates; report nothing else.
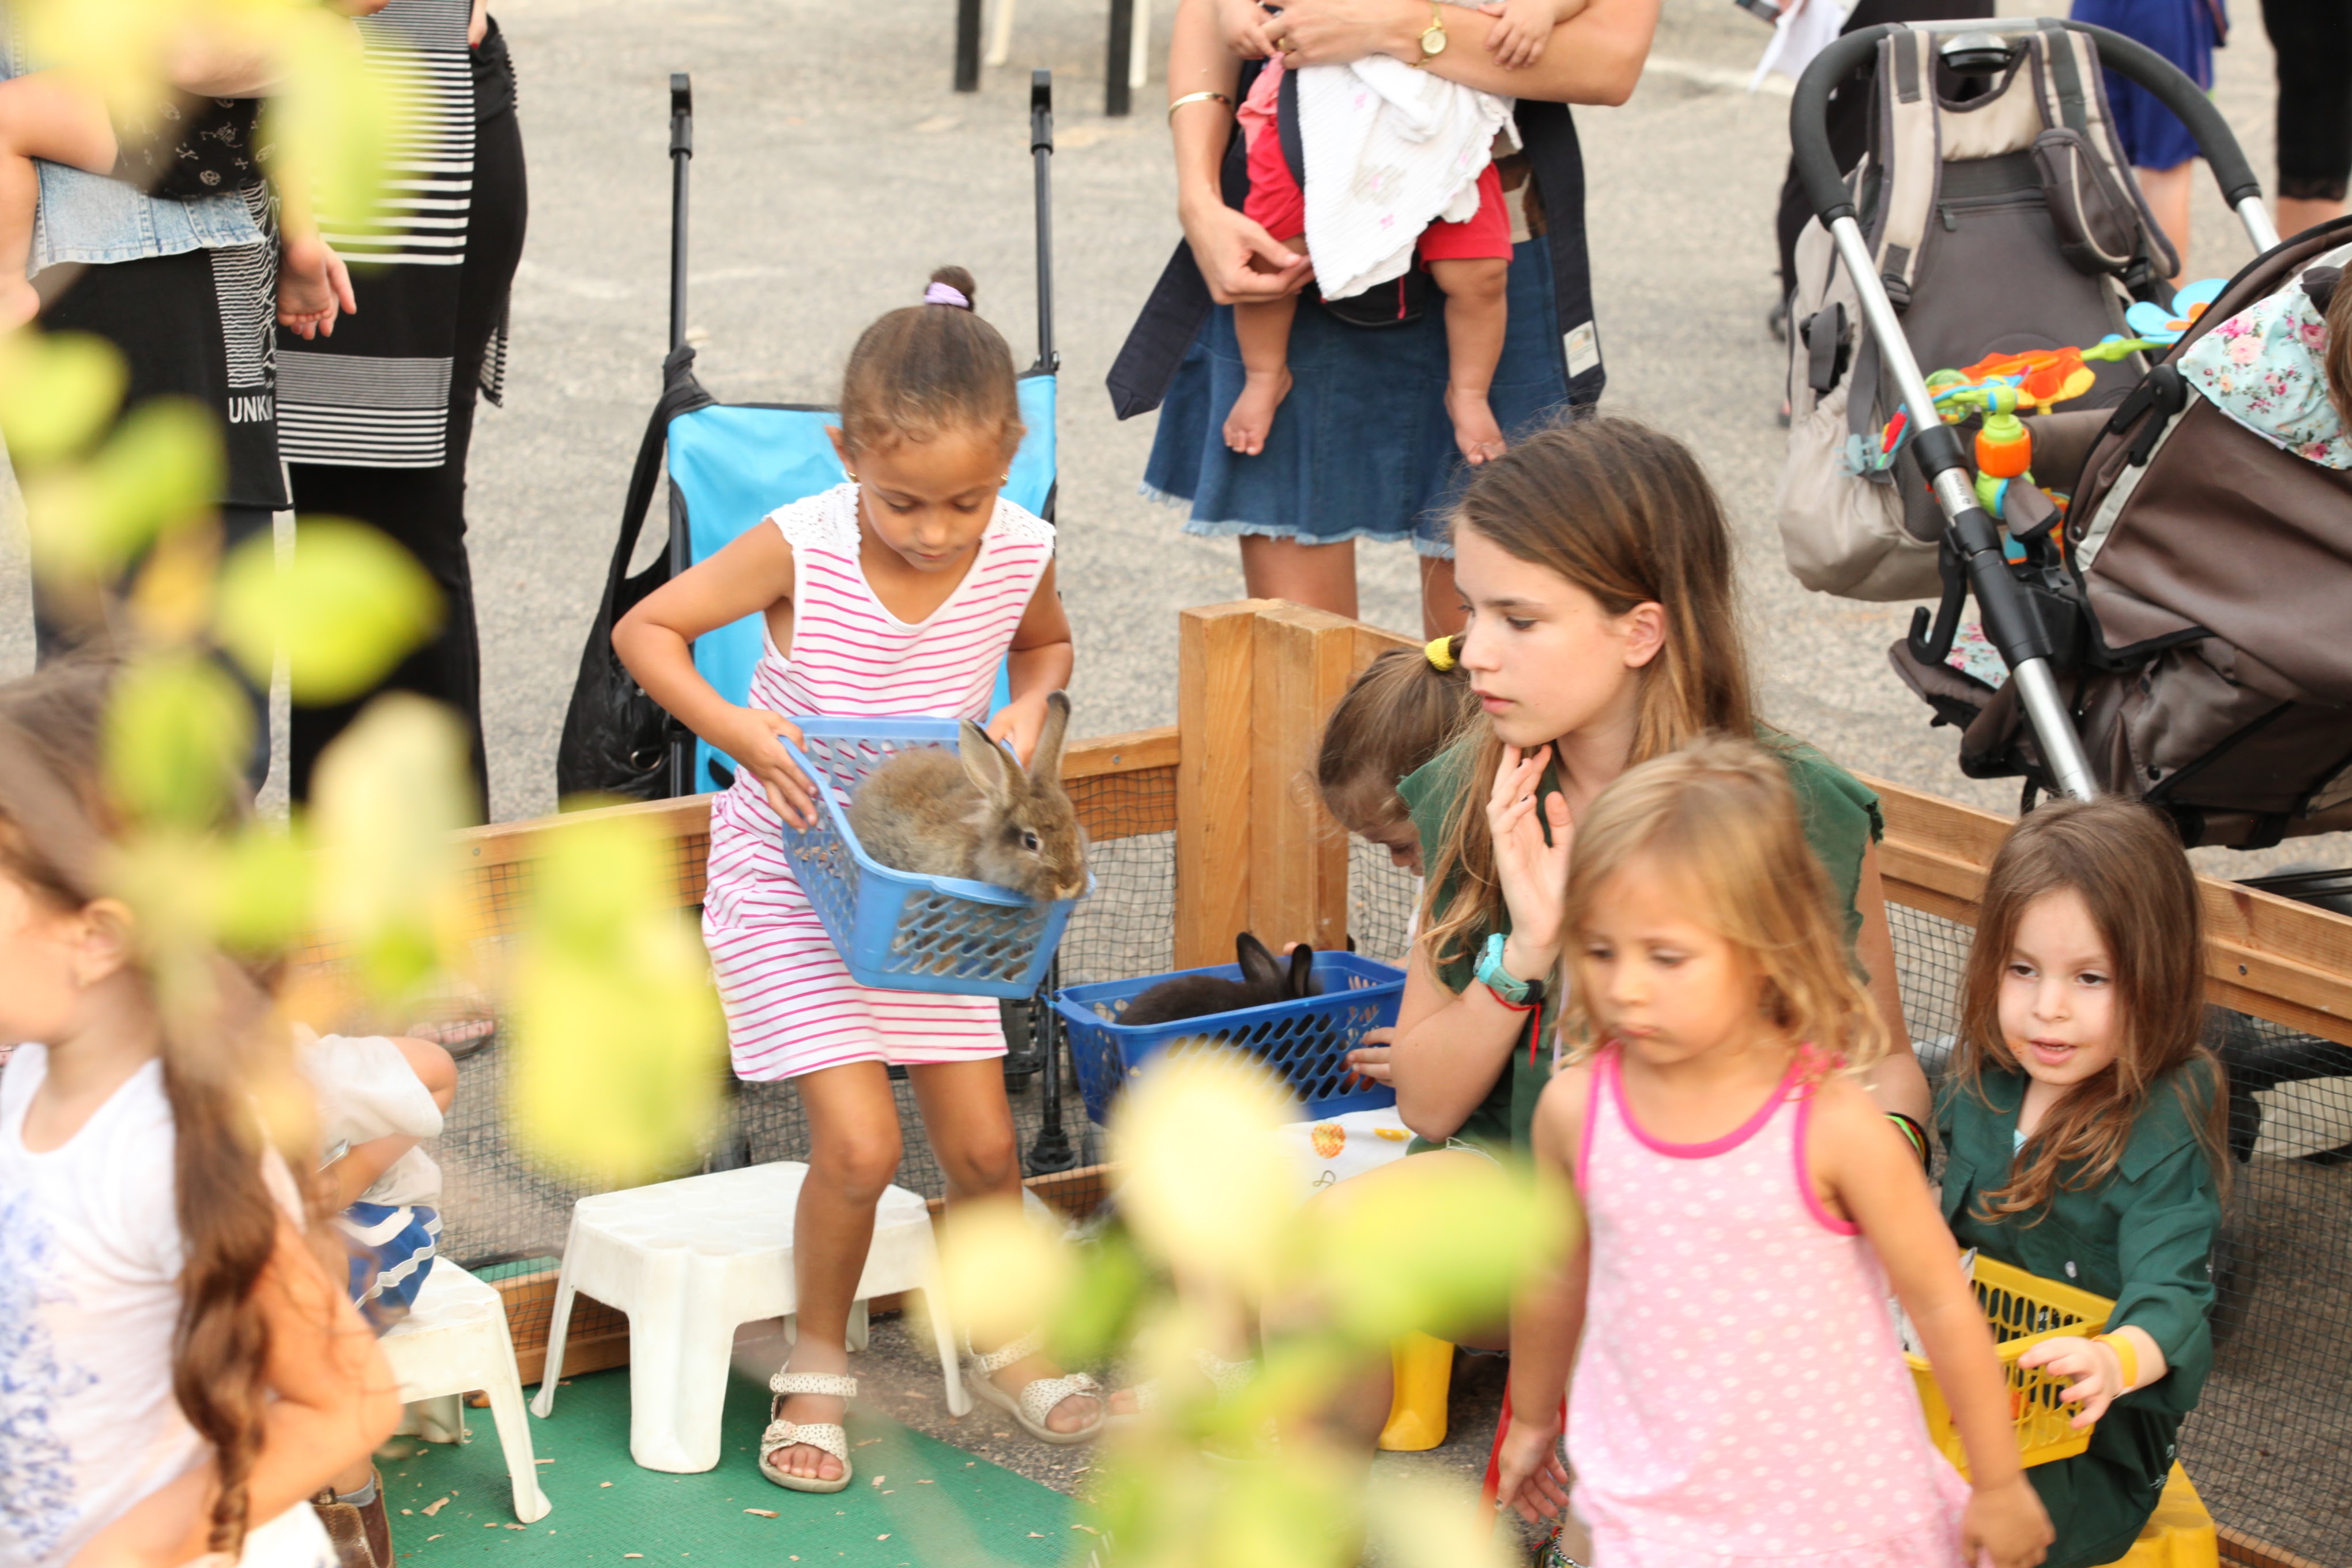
(376, 394)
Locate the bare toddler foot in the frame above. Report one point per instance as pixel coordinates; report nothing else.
(1475, 430)
(1252, 419)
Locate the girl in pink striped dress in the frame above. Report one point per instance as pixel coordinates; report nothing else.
(899, 592)
(1739, 1397)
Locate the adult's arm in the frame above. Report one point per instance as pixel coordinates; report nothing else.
(1238, 259)
(1595, 57)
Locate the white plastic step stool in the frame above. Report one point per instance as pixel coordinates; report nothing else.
(454, 1341)
(691, 1261)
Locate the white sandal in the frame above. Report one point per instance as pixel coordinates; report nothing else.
(1038, 1397)
(826, 1436)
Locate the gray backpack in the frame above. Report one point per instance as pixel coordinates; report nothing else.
(2212, 674)
(2008, 221)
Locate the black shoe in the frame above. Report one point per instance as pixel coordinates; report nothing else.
(1776, 320)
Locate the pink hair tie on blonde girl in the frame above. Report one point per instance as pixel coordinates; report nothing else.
(946, 294)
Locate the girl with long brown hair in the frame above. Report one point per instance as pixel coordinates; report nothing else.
(1596, 566)
(2085, 1127)
(178, 1374)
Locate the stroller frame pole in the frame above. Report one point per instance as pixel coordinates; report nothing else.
(1041, 148)
(1971, 534)
(681, 155)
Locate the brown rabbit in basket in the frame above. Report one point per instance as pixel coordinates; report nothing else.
(1265, 980)
(973, 813)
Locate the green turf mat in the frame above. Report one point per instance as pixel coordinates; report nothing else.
(937, 1507)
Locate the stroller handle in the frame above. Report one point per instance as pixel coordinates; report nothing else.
(1825, 187)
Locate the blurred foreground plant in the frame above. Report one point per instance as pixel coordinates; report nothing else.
(1209, 1224)
(616, 1027)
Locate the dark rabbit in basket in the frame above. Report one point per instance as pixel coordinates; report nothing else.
(973, 813)
(1265, 980)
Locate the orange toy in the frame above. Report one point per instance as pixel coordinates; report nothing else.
(2045, 376)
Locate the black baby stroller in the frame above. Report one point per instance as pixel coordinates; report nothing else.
(2169, 638)
(2177, 633)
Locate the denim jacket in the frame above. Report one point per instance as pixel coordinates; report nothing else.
(89, 218)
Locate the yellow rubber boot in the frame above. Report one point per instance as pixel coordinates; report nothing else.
(1424, 1376)
(2178, 1535)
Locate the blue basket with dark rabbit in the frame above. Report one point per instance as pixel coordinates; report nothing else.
(1301, 1017)
(937, 862)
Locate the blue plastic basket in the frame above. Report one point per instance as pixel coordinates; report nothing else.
(899, 931)
(1307, 1041)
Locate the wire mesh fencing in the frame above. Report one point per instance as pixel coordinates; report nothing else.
(2269, 1447)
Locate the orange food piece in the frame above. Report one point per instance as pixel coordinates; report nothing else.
(1328, 1138)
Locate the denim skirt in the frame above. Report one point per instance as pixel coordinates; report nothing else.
(1361, 449)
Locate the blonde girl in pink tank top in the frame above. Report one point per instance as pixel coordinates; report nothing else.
(899, 592)
(1738, 1394)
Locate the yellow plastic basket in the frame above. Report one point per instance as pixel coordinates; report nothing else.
(2024, 1310)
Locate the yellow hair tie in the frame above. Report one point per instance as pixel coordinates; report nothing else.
(1440, 654)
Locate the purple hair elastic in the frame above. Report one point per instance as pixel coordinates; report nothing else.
(946, 294)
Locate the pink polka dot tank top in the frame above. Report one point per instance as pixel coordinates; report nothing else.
(792, 1008)
(1739, 1397)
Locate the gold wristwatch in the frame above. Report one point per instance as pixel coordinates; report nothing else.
(1432, 38)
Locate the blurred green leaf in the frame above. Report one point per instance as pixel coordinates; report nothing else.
(347, 608)
(264, 889)
(1208, 1188)
(1424, 1520)
(385, 800)
(1099, 1312)
(619, 1043)
(56, 393)
(329, 120)
(178, 733)
(1439, 1255)
(161, 469)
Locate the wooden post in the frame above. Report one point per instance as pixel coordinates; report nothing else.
(1298, 856)
(1215, 646)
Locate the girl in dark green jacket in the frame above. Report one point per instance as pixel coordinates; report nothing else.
(2083, 1128)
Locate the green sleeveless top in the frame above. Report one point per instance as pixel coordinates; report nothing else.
(1841, 821)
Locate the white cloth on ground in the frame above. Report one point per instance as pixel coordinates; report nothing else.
(1389, 149)
(90, 1254)
(367, 1090)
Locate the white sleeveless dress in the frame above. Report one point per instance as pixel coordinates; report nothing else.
(792, 1008)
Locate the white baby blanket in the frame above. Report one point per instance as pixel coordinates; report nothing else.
(1389, 149)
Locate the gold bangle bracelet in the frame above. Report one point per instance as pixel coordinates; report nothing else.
(1197, 97)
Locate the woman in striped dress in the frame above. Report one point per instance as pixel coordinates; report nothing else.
(377, 421)
(899, 592)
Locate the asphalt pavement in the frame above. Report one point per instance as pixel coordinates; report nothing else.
(835, 167)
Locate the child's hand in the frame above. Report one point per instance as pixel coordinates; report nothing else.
(2099, 1373)
(1370, 1062)
(1021, 719)
(1534, 873)
(1532, 1479)
(313, 288)
(751, 739)
(2005, 1526)
(1522, 29)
